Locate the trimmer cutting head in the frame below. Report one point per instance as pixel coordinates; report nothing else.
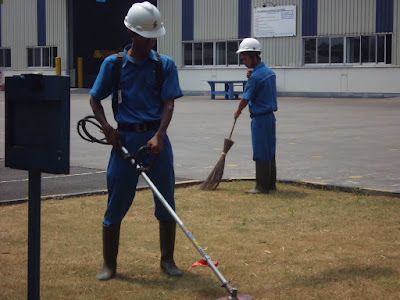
(240, 297)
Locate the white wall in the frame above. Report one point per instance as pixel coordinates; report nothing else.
(365, 80)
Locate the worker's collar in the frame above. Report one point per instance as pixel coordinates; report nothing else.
(152, 55)
(260, 65)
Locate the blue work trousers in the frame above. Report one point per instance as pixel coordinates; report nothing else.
(263, 136)
(122, 178)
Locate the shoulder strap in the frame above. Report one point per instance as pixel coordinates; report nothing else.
(159, 72)
(117, 70)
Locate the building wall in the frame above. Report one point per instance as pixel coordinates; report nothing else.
(216, 20)
(56, 28)
(17, 30)
(213, 20)
(171, 43)
(342, 17)
(282, 51)
(20, 30)
(396, 33)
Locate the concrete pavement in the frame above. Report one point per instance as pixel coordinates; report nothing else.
(344, 142)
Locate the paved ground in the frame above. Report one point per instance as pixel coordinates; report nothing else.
(344, 142)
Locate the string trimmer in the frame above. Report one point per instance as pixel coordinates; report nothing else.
(135, 161)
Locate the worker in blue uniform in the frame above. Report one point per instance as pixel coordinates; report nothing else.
(144, 106)
(260, 95)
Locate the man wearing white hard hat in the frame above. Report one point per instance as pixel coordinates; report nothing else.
(260, 95)
(143, 85)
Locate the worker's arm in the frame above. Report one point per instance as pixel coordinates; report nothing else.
(243, 103)
(112, 135)
(157, 141)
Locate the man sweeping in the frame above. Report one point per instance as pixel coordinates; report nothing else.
(260, 95)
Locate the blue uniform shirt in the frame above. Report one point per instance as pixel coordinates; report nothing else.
(141, 99)
(261, 90)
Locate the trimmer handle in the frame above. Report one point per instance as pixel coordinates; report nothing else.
(135, 160)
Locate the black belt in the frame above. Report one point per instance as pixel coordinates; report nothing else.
(140, 127)
(260, 114)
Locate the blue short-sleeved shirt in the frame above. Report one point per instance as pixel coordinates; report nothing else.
(261, 90)
(141, 98)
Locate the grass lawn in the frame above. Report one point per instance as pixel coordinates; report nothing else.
(296, 243)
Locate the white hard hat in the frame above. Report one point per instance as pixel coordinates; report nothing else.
(249, 44)
(145, 19)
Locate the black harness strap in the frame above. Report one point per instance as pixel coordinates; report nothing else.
(159, 72)
(117, 71)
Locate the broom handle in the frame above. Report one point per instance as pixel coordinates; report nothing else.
(232, 129)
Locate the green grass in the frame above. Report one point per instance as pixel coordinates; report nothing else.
(296, 243)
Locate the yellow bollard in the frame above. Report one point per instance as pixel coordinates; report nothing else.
(80, 72)
(58, 65)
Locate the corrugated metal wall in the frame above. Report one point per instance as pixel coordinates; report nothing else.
(396, 34)
(19, 30)
(282, 51)
(342, 17)
(215, 20)
(171, 43)
(56, 27)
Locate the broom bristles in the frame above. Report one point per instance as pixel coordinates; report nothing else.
(215, 177)
(213, 180)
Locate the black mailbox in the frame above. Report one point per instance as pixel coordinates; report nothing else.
(37, 123)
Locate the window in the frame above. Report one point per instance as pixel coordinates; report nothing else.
(198, 54)
(323, 50)
(368, 45)
(353, 49)
(337, 50)
(233, 58)
(310, 48)
(187, 49)
(42, 57)
(208, 54)
(348, 50)
(380, 48)
(220, 53)
(388, 51)
(5, 57)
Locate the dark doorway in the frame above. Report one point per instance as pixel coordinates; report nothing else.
(98, 31)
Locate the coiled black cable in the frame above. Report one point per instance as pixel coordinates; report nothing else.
(84, 133)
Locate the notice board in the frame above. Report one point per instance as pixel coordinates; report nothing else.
(275, 21)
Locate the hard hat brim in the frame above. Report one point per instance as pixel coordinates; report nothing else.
(147, 34)
(247, 50)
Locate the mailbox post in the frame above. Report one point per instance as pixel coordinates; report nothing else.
(37, 136)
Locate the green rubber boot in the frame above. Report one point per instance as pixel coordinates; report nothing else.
(272, 186)
(110, 252)
(263, 178)
(167, 246)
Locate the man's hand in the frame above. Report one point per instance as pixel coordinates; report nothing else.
(156, 143)
(112, 136)
(237, 114)
(249, 73)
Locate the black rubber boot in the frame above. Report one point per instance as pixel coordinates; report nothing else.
(167, 246)
(110, 252)
(263, 178)
(272, 186)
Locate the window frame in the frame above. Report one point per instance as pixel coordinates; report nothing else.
(386, 41)
(214, 52)
(3, 54)
(41, 50)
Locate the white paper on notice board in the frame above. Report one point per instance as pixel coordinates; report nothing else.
(275, 21)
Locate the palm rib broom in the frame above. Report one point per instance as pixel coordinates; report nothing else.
(215, 177)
